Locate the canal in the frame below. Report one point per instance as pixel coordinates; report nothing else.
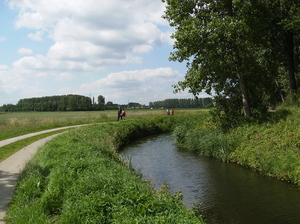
(226, 193)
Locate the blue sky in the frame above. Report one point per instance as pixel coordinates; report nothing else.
(115, 48)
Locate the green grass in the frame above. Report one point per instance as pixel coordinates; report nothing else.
(8, 150)
(271, 147)
(55, 118)
(79, 177)
(20, 123)
(198, 134)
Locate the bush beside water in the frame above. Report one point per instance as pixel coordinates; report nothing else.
(80, 178)
(271, 147)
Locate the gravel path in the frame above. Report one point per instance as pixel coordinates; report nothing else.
(11, 167)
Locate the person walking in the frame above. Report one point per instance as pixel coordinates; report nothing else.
(119, 113)
(123, 115)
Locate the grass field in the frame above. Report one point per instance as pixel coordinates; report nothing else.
(20, 123)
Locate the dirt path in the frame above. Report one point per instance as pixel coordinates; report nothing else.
(11, 140)
(11, 167)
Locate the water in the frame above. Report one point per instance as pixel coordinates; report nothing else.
(227, 193)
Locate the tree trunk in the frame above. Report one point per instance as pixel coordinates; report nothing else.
(289, 50)
(242, 81)
(245, 95)
(280, 91)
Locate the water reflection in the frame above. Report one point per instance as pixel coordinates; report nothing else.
(228, 193)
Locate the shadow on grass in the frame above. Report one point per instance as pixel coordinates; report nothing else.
(276, 116)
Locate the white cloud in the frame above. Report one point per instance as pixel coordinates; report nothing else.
(32, 62)
(97, 33)
(142, 49)
(4, 67)
(127, 79)
(30, 20)
(2, 39)
(42, 63)
(77, 51)
(66, 90)
(10, 81)
(25, 51)
(80, 41)
(17, 84)
(139, 85)
(65, 76)
(37, 36)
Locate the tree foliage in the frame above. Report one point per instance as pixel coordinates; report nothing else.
(240, 51)
(52, 103)
(101, 102)
(59, 103)
(182, 103)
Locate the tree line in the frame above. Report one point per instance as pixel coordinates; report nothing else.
(182, 103)
(245, 53)
(83, 103)
(56, 103)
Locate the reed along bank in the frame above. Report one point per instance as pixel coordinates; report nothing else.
(270, 146)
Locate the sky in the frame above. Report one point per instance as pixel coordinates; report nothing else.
(115, 48)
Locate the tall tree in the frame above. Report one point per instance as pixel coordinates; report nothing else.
(208, 34)
(286, 23)
(72, 102)
(224, 54)
(101, 102)
(275, 25)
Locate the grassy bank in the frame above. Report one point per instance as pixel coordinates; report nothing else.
(79, 178)
(271, 147)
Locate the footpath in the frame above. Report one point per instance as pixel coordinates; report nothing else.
(11, 167)
(11, 140)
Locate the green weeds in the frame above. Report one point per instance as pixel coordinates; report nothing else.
(197, 133)
(80, 178)
(271, 147)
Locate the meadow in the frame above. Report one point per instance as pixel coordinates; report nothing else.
(19, 123)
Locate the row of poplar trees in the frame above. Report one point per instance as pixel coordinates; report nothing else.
(244, 52)
(182, 103)
(69, 102)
